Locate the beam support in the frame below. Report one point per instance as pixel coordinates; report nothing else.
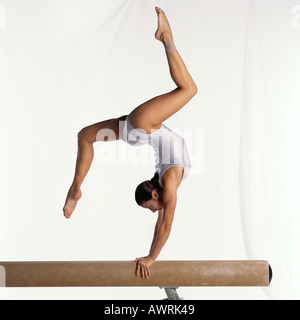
(171, 293)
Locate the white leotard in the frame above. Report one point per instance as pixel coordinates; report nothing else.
(170, 148)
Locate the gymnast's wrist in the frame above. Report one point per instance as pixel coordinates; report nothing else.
(152, 258)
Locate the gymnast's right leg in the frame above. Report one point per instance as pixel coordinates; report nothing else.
(152, 113)
(103, 131)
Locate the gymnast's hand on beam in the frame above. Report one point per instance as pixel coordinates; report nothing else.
(143, 267)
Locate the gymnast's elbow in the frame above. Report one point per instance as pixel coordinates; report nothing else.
(193, 89)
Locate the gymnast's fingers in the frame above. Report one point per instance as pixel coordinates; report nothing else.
(137, 272)
(149, 272)
(143, 272)
(146, 273)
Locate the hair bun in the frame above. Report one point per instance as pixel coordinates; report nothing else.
(155, 179)
(150, 184)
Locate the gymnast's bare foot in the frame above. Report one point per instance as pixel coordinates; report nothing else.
(163, 32)
(73, 196)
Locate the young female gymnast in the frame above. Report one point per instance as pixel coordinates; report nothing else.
(144, 125)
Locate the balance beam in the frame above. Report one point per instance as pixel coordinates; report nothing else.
(122, 274)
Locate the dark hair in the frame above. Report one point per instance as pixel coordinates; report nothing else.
(144, 190)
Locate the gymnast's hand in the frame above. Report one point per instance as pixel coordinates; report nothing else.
(143, 267)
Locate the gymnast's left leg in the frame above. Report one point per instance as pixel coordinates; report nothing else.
(103, 131)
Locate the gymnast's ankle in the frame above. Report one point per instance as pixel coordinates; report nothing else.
(170, 46)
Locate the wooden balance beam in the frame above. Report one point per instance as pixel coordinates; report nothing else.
(166, 274)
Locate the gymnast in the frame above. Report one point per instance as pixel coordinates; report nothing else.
(144, 125)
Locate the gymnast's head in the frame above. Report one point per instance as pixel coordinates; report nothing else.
(148, 194)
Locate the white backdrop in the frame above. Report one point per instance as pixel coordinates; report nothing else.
(270, 139)
(65, 64)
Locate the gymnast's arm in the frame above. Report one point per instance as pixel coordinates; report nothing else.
(163, 233)
(157, 226)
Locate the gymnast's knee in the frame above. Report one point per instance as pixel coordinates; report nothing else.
(84, 136)
(193, 88)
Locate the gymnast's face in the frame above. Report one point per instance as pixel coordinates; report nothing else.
(154, 204)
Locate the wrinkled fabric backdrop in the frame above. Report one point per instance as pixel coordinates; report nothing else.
(65, 64)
